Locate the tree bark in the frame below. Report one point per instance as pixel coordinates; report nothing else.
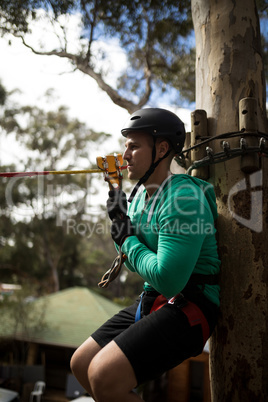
(229, 68)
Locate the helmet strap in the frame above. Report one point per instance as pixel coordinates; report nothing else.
(151, 169)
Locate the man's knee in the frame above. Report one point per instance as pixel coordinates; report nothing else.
(82, 357)
(110, 375)
(100, 381)
(73, 362)
(79, 364)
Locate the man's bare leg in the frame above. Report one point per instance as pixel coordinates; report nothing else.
(81, 359)
(111, 376)
(105, 373)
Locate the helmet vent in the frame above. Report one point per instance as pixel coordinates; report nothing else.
(135, 118)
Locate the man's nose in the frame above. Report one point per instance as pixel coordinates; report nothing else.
(126, 155)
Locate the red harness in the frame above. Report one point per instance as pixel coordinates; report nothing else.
(191, 310)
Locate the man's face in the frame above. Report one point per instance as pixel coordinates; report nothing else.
(138, 154)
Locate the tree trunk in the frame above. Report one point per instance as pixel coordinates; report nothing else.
(52, 263)
(229, 68)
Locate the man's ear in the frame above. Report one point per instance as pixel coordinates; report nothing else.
(163, 147)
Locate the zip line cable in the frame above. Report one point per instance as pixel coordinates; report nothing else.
(47, 172)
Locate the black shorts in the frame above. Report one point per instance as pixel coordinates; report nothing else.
(158, 341)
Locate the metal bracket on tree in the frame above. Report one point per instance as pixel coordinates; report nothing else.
(251, 144)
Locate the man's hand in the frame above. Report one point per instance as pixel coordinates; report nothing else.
(117, 204)
(121, 229)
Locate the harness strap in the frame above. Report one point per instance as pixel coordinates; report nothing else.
(195, 316)
(159, 302)
(138, 311)
(193, 313)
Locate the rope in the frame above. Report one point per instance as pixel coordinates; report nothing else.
(113, 271)
(47, 172)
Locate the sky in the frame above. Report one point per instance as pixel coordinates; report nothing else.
(33, 75)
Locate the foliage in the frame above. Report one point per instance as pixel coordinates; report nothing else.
(35, 211)
(21, 318)
(15, 14)
(154, 35)
(50, 238)
(262, 6)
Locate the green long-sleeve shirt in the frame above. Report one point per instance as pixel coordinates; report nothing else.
(174, 236)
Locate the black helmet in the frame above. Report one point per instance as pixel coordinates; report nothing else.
(159, 123)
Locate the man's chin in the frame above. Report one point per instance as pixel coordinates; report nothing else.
(132, 176)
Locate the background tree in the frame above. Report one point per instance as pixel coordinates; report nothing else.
(8, 270)
(38, 243)
(154, 36)
(21, 317)
(52, 232)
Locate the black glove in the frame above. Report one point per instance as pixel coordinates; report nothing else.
(116, 204)
(121, 229)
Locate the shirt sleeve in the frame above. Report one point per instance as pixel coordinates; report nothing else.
(169, 268)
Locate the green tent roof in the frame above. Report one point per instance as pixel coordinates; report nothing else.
(70, 316)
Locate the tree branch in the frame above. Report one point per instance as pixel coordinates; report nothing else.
(82, 65)
(92, 23)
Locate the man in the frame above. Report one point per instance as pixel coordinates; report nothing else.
(168, 237)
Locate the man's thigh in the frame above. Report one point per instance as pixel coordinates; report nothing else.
(116, 325)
